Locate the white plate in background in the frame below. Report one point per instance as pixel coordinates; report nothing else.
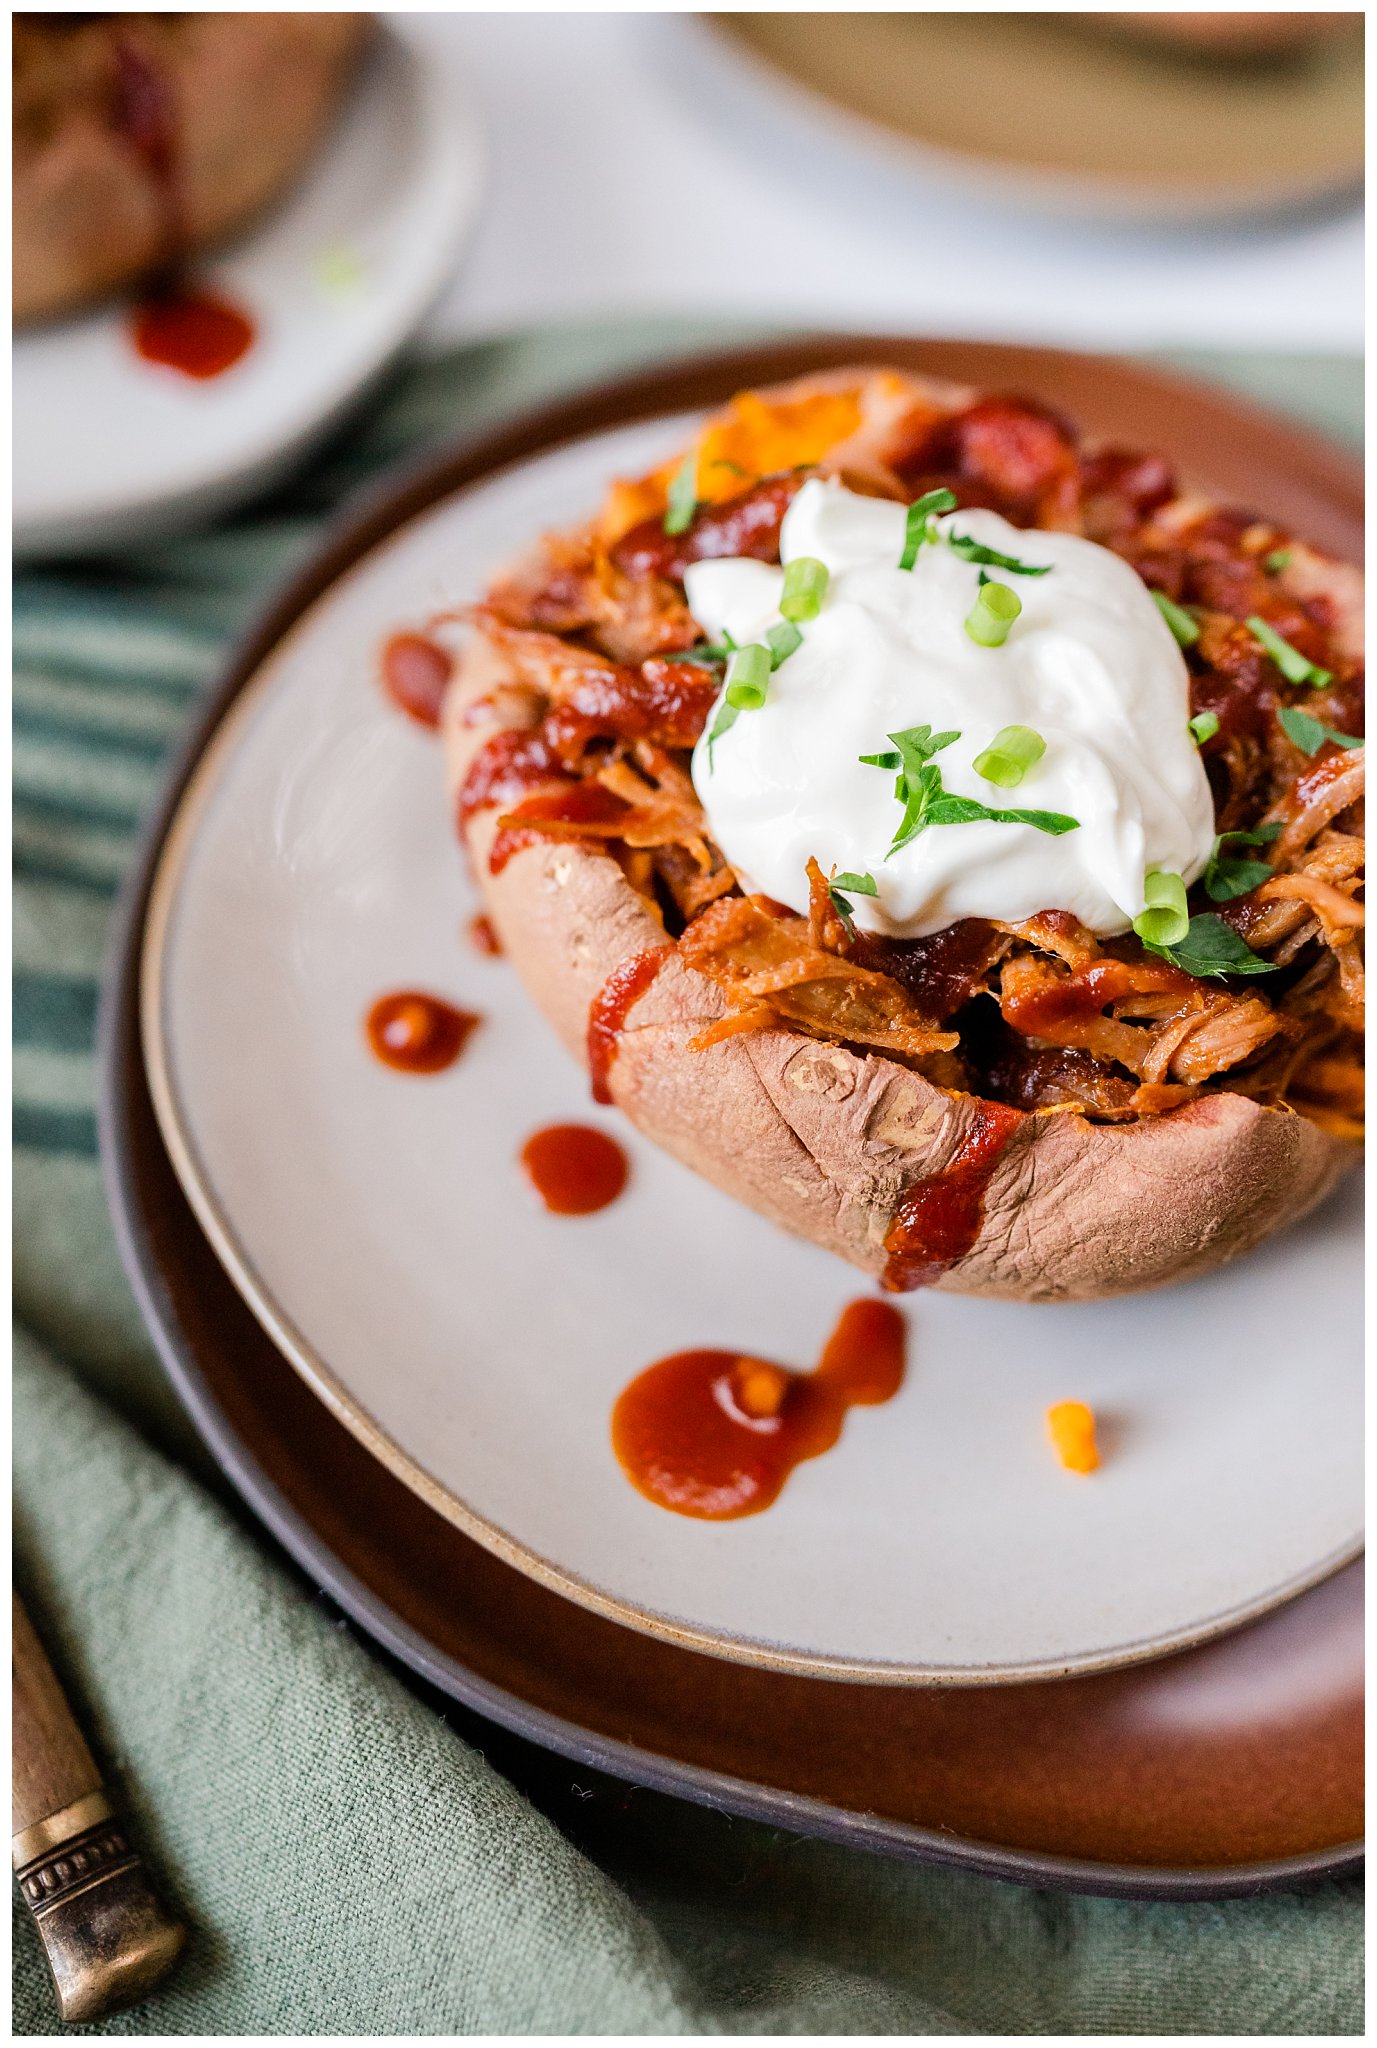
(380, 1227)
(110, 449)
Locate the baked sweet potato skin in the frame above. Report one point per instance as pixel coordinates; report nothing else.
(242, 98)
(826, 1142)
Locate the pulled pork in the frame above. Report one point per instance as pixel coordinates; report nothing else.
(605, 701)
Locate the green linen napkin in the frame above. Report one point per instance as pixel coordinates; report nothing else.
(354, 1854)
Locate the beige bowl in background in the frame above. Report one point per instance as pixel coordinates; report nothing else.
(1044, 112)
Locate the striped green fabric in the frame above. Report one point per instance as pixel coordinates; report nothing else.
(111, 660)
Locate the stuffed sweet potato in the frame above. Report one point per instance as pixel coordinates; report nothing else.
(140, 139)
(1038, 1104)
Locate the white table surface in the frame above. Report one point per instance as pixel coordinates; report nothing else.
(627, 178)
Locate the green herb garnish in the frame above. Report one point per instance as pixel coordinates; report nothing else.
(856, 885)
(805, 586)
(976, 551)
(1164, 919)
(1185, 629)
(1308, 733)
(1203, 726)
(682, 500)
(990, 618)
(1011, 753)
(920, 524)
(1212, 949)
(918, 786)
(1226, 876)
(1292, 663)
(1279, 559)
(782, 641)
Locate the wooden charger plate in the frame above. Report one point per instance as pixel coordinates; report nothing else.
(1225, 1769)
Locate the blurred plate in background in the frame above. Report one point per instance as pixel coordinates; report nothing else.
(110, 448)
(1058, 114)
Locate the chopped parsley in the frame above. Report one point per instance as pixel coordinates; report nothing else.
(1310, 734)
(1226, 876)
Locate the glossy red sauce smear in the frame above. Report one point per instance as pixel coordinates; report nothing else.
(417, 1033)
(582, 810)
(483, 938)
(191, 331)
(938, 1219)
(415, 673)
(715, 1435)
(574, 1169)
(504, 769)
(609, 1009)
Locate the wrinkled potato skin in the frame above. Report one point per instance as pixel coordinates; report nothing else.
(824, 1142)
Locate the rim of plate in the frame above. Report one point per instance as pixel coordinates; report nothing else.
(119, 1047)
(395, 502)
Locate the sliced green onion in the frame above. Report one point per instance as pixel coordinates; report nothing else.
(976, 551)
(1279, 559)
(1292, 663)
(1185, 629)
(1164, 921)
(1203, 726)
(748, 678)
(1308, 733)
(1011, 753)
(782, 640)
(683, 495)
(805, 586)
(990, 618)
(918, 525)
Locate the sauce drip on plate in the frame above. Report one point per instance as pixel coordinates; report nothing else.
(715, 1435)
(415, 672)
(417, 1033)
(191, 331)
(609, 1009)
(939, 1217)
(574, 1168)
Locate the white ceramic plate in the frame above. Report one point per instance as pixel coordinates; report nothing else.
(381, 1228)
(109, 448)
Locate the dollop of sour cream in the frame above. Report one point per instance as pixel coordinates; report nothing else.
(1090, 665)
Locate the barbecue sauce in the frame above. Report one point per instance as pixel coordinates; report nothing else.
(574, 1169)
(415, 673)
(609, 1009)
(716, 1435)
(939, 1217)
(416, 1033)
(191, 331)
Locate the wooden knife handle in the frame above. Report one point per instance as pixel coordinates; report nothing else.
(107, 1936)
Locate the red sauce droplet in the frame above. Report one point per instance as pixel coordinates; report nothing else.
(416, 1033)
(609, 1009)
(715, 1435)
(415, 673)
(483, 938)
(574, 1169)
(939, 1217)
(191, 331)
